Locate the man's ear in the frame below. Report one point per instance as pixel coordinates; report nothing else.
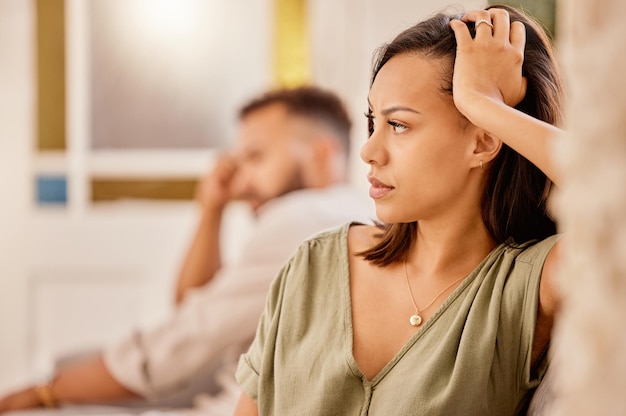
(319, 168)
(323, 149)
(486, 148)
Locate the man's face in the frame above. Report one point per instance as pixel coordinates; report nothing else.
(270, 155)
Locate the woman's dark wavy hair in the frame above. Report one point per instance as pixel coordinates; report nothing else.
(514, 203)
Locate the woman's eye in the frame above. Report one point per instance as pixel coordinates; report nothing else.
(397, 127)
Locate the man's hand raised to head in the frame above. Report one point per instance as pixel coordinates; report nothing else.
(214, 190)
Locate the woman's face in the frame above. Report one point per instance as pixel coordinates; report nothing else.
(420, 148)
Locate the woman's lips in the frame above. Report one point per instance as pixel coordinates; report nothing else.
(378, 188)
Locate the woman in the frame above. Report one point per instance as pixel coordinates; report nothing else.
(447, 308)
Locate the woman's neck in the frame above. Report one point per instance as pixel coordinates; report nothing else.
(445, 248)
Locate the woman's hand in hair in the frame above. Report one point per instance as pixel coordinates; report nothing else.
(490, 64)
(487, 82)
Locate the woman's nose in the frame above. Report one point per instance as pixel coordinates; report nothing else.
(373, 151)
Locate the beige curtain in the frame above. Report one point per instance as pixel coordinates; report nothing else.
(590, 343)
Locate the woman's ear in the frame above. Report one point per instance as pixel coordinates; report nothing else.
(486, 148)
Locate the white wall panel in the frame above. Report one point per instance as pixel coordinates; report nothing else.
(75, 277)
(16, 138)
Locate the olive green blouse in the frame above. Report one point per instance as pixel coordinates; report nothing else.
(472, 357)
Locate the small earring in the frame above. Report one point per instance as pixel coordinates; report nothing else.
(481, 164)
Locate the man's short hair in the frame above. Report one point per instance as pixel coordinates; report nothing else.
(310, 102)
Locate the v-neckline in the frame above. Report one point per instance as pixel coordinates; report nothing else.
(349, 328)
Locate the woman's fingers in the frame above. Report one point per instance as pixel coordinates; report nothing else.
(461, 32)
(474, 15)
(503, 30)
(491, 63)
(482, 20)
(501, 24)
(495, 22)
(518, 36)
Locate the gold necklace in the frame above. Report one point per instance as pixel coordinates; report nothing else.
(416, 319)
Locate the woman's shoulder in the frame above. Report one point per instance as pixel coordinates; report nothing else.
(335, 245)
(354, 233)
(362, 237)
(531, 251)
(318, 261)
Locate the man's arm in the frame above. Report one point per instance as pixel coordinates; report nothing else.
(203, 258)
(84, 382)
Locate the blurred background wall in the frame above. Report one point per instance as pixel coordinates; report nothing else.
(109, 112)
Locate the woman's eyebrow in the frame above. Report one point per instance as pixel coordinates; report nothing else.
(397, 108)
(393, 109)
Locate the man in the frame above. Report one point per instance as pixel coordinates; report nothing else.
(290, 164)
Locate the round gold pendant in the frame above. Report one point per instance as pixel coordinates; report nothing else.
(415, 320)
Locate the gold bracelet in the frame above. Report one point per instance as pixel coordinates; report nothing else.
(45, 395)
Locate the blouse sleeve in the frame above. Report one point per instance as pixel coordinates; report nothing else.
(251, 362)
(527, 285)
